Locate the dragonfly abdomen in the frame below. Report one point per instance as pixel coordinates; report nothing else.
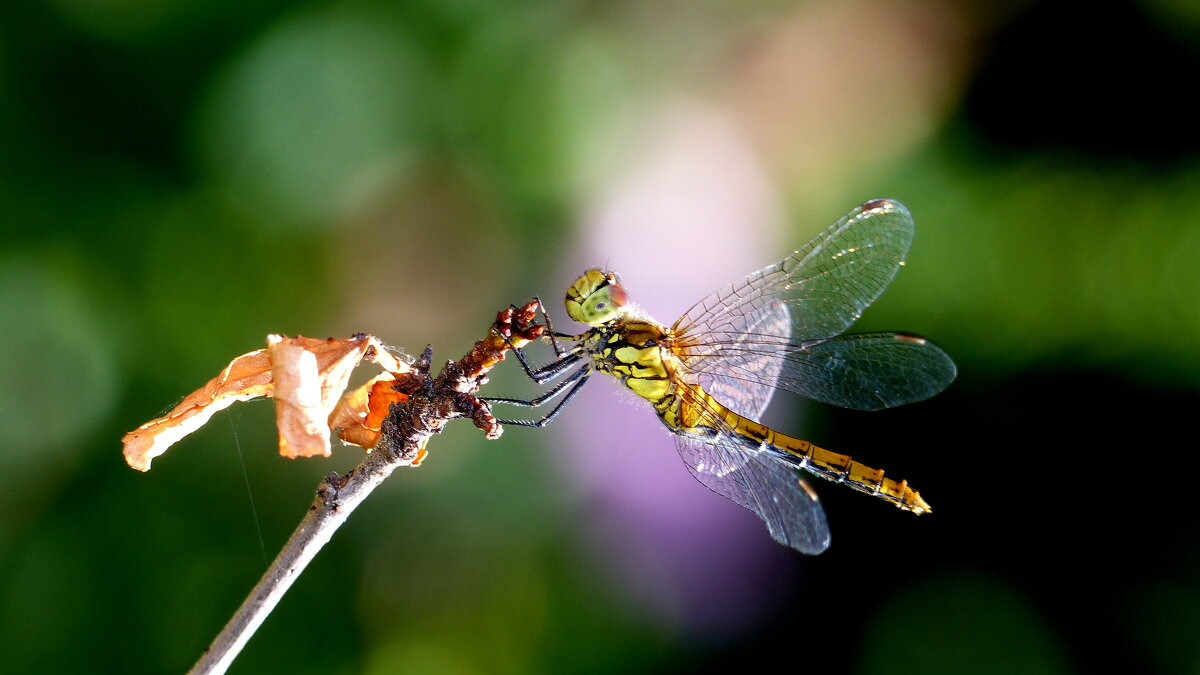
(829, 465)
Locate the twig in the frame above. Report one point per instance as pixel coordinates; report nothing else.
(404, 435)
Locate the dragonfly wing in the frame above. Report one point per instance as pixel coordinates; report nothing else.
(765, 485)
(863, 371)
(825, 285)
(780, 326)
(755, 478)
(747, 378)
(866, 371)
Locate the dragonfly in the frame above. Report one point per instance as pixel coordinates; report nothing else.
(711, 375)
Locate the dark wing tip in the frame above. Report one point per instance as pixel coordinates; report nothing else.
(882, 205)
(910, 339)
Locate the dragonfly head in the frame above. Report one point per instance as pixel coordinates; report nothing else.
(596, 298)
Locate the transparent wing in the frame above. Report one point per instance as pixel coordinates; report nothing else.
(780, 326)
(863, 371)
(825, 285)
(758, 479)
(747, 378)
(868, 371)
(767, 487)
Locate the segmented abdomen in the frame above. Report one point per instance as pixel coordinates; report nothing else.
(695, 416)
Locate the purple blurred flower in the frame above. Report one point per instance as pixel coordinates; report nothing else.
(690, 211)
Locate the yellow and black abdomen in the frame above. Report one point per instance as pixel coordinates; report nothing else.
(700, 416)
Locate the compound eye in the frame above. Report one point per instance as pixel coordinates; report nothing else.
(617, 295)
(605, 304)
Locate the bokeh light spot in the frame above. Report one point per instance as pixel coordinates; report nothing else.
(304, 122)
(58, 363)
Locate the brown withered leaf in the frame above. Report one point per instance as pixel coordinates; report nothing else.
(306, 376)
(310, 375)
(360, 413)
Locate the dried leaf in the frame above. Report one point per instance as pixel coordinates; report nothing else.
(307, 377)
(310, 375)
(360, 413)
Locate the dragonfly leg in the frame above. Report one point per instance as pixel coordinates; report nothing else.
(540, 400)
(551, 370)
(550, 333)
(563, 359)
(579, 378)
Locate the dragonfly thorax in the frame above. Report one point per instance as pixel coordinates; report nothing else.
(636, 352)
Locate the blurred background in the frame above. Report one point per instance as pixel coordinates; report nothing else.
(179, 179)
